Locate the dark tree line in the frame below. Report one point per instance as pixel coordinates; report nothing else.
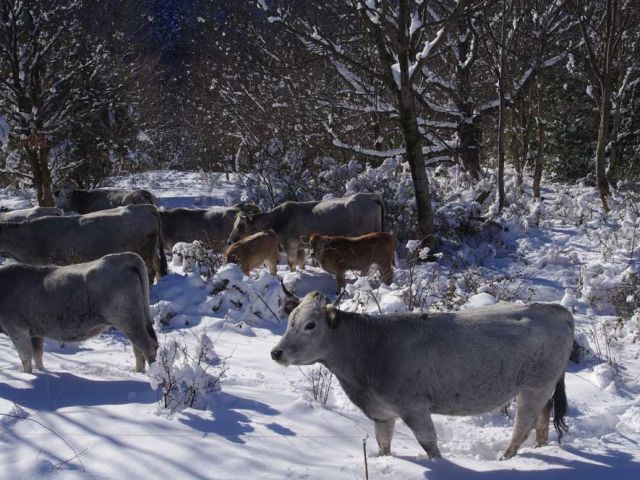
(533, 85)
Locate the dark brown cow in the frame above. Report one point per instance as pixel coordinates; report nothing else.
(338, 254)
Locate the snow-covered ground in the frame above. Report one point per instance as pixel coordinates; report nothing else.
(88, 415)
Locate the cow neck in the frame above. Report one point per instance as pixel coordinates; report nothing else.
(266, 220)
(353, 356)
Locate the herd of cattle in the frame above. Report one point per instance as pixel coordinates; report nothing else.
(86, 265)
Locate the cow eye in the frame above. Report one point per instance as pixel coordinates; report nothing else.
(310, 326)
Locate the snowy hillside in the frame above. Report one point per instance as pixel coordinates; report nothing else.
(88, 415)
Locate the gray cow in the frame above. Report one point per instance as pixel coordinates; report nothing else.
(29, 214)
(82, 238)
(349, 216)
(77, 302)
(211, 226)
(409, 366)
(71, 199)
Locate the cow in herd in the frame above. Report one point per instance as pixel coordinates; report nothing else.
(69, 198)
(412, 365)
(83, 272)
(65, 240)
(76, 302)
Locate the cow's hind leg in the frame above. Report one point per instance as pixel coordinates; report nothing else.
(384, 434)
(37, 345)
(144, 347)
(140, 359)
(422, 427)
(530, 405)
(542, 425)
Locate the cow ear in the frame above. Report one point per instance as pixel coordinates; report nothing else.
(332, 316)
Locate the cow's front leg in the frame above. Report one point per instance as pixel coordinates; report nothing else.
(384, 434)
(300, 256)
(422, 427)
(292, 256)
(22, 341)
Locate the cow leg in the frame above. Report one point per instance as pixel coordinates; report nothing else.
(140, 359)
(530, 405)
(423, 429)
(155, 273)
(300, 256)
(292, 257)
(384, 434)
(542, 425)
(144, 347)
(272, 265)
(22, 341)
(37, 345)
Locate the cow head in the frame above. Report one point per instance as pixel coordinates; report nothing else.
(315, 245)
(243, 226)
(63, 195)
(305, 341)
(248, 208)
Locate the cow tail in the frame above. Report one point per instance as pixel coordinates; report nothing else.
(164, 268)
(560, 405)
(141, 270)
(380, 202)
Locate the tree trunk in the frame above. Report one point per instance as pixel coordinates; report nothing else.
(614, 160)
(413, 145)
(47, 194)
(468, 124)
(412, 138)
(541, 122)
(36, 174)
(605, 115)
(501, 106)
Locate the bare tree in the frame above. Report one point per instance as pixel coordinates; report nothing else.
(603, 27)
(45, 61)
(389, 44)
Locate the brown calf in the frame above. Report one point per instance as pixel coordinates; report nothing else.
(339, 254)
(254, 251)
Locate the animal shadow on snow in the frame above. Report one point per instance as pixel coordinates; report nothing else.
(583, 466)
(229, 421)
(51, 391)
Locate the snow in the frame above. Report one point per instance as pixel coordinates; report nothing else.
(88, 415)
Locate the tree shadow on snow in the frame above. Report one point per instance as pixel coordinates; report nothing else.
(583, 466)
(51, 391)
(228, 422)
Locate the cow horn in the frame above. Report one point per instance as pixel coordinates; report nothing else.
(336, 302)
(290, 300)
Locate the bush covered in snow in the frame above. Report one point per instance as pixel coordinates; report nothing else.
(195, 256)
(245, 300)
(185, 375)
(277, 175)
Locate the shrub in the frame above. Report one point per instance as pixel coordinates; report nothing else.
(185, 376)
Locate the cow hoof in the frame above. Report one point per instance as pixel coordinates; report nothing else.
(507, 455)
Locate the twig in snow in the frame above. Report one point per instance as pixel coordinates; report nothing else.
(268, 307)
(22, 417)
